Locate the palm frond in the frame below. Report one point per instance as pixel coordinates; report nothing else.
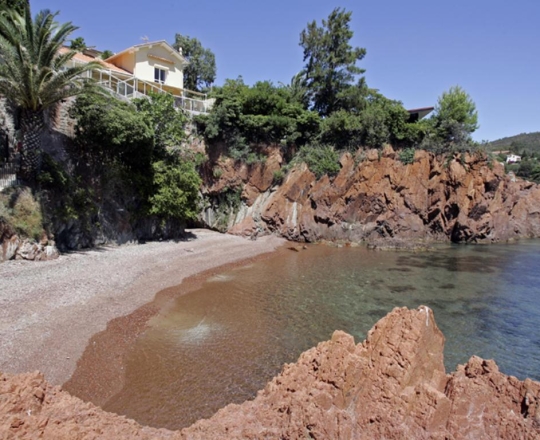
(33, 73)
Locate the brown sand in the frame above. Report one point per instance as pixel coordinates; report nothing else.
(50, 310)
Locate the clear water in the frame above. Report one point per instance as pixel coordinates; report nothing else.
(222, 343)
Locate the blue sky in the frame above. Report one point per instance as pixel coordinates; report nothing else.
(415, 49)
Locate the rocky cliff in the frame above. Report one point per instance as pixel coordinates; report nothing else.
(391, 386)
(464, 198)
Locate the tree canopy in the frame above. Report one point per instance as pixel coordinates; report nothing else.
(34, 74)
(17, 5)
(455, 117)
(200, 73)
(78, 44)
(330, 71)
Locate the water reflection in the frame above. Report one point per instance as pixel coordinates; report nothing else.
(224, 342)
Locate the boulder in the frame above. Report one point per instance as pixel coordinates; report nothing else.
(391, 386)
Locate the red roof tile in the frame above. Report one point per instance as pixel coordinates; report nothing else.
(80, 57)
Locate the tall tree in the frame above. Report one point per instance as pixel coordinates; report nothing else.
(17, 5)
(201, 70)
(34, 74)
(455, 117)
(330, 62)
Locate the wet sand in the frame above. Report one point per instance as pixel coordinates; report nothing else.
(49, 311)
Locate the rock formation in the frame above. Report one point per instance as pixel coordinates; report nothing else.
(14, 247)
(391, 386)
(466, 198)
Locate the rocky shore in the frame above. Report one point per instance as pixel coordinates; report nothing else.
(464, 198)
(49, 310)
(391, 386)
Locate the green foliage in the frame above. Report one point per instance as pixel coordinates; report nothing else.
(200, 73)
(33, 73)
(112, 131)
(106, 54)
(244, 117)
(138, 142)
(320, 159)
(278, 177)
(167, 123)
(78, 44)
(381, 121)
(406, 156)
(77, 196)
(53, 175)
(22, 210)
(176, 190)
(217, 172)
(17, 5)
(528, 169)
(524, 142)
(330, 69)
(455, 118)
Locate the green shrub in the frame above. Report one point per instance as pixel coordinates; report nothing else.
(320, 159)
(176, 190)
(406, 155)
(109, 130)
(278, 177)
(22, 210)
(217, 172)
(244, 117)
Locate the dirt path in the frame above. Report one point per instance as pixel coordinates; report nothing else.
(50, 310)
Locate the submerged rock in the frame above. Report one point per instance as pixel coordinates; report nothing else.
(391, 386)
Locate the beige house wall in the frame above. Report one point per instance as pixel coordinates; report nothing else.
(126, 61)
(148, 58)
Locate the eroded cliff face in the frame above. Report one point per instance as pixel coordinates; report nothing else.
(391, 386)
(463, 199)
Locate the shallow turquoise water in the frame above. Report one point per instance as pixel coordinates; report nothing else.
(222, 343)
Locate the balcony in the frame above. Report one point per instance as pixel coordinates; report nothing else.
(130, 87)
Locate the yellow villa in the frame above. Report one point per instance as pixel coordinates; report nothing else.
(144, 68)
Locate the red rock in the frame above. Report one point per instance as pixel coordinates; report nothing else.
(391, 386)
(432, 199)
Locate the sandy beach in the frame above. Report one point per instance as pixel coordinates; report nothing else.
(49, 311)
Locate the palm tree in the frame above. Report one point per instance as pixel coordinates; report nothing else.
(34, 75)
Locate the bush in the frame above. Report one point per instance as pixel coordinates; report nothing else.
(109, 130)
(320, 159)
(22, 210)
(167, 123)
(278, 177)
(244, 117)
(176, 190)
(406, 156)
(380, 122)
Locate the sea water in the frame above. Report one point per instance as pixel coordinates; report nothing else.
(224, 342)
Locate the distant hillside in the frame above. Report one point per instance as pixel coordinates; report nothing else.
(529, 142)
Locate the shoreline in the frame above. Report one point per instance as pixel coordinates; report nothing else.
(99, 373)
(49, 311)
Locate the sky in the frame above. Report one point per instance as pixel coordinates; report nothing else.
(416, 49)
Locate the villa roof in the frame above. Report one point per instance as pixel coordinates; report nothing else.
(82, 58)
(421, 110)
(161, 43)
(416, 114)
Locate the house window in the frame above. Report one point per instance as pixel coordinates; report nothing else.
(160, 75)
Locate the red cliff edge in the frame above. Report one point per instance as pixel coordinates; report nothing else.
(391, 386)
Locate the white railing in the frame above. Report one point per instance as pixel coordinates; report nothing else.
(8, 174)
(132, 87)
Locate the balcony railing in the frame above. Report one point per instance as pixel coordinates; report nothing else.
(130, 88)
